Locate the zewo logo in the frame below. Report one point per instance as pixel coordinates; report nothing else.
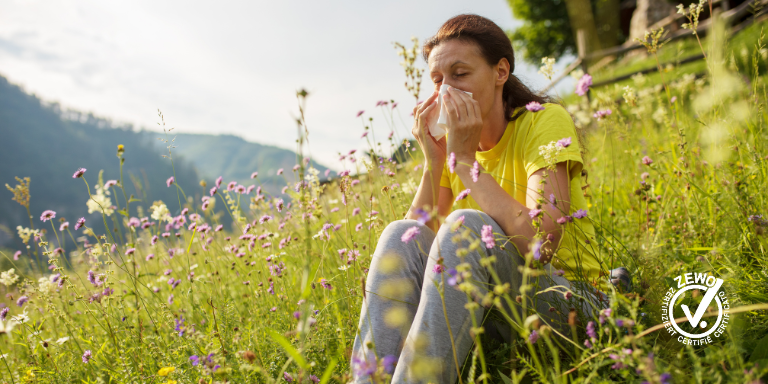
(694, 295)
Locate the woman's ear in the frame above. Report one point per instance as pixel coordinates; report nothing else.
(502, 71)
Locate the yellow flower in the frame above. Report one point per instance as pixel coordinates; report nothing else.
(165, 371)
(170, 382)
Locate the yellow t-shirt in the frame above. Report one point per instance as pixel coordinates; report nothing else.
(512, 161)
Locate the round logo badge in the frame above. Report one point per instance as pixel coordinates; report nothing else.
(682, 300)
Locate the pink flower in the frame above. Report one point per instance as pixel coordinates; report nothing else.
(438, 269)
(218, 181)
(410, 234)
(487, 236)
(358, 227)
(47, 215)
(280, 171)
(673, 99)
(110, 184)
(130, 251)
(647, 160)
(565, 143)
(534, 106)
(463, 194)
(534, 213)
(79, 173)
(16, 255)
(170, 181)
(364, 134)
(460, 221)
(231, 185)
(360, 113)
(63, 226)
(583, 85)
(475, 171)
(601, 114)
(452, 162)
(253, 175)
(79, 224)
(580, 214)
(213, 190)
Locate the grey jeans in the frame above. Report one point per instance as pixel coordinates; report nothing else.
(403, 317)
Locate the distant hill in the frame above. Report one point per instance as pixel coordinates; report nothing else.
(235, 159)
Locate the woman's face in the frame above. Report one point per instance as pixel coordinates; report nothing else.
(461, 65)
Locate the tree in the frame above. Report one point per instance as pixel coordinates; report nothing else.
(547, 29)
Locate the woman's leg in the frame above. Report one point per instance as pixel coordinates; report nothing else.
(431, 349)
(393, 287)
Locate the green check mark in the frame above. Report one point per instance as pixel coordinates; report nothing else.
(708, 297)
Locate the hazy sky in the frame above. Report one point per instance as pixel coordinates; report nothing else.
(232, 66)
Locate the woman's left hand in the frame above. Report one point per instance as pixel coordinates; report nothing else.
(464, 124)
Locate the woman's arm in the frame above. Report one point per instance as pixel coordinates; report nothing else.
(427, 194)
(514, 217)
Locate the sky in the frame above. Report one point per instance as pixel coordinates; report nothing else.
(234, 66)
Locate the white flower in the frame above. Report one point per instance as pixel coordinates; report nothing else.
(25, 233)
(160, 212)
(9, 277)
(7, 327)
(100, 201)
(62, 340)
(46, 285)
(21, 318)
(344, 267)
(547, 69)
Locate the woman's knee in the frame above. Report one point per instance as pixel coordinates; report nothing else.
(396, 229)
(471, 218)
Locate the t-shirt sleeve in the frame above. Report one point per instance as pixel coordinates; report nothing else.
(549, 126)
(445, 181)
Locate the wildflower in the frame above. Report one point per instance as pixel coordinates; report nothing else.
(580, 214)
(4, 313)
(22, 300)
(326, 284)
(599, 115)
(358, 227)
(564, 143)
(475, 171)
(547, 69)
(438, 269)
(79, 224)
(605, 313)
(79, 173)
(87, 356)
(264, 219)
(279, 205)
(536, 249)
(165, 371)
(388, 362)
(364, 134)
(534, 106)
(231, 185)
(673, 99)
(170, 300)
(9, 277)
(533, 337)
(280, 171)
(213, 190)
(195, 360)
(16, 255)
(487, 236)
(583, 84)
(314, 379)
(47, 215)
(130, 251)
(645, 175)
(534, 213)
(410, 234)
(647, 160)
(463, 194)
(666, 378)
(170, 181)
(355, 211)
(363, 366)
(568, 295)
(287, 377)
(110, 184)
(63, 226)
(452, 162)
(360, 113)
(591, 330)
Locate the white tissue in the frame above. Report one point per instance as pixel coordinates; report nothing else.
(439, 128)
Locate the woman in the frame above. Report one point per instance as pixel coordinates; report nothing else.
(529, 197)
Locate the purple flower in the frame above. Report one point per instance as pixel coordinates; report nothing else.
(360, 113)
(438, 269)
(4, 313)
(264, 219)
(79, 224)
(326, 284)
(534, 106)
(452, 162)
(422, 216)
(279, 205)
(364, 367)
(410, 234)
(195, 360)
(475, 171)
(364, 134)
(533, 337)
(288, 377)
(583, 84)
(297, 315)
(86, 356)
(16, 255)
(452, 280)
(63, 226)
(110, 184)
(213, 190)
(565, 143)
(601, 114)
(388, 362)
(487, 236)
(591, 330)
(130, 251)
(47, 215)
(170, 181)
(536, 250)
(580, 214)
(666, 378)
(534, 213)
(22, 300)
(79, 173)
(253, 175)
(463, 194)
(314, 379)
(647, 160)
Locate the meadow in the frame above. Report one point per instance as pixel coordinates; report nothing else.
(676, 174)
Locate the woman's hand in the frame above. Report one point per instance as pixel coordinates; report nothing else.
(464, 125)
(426, 114)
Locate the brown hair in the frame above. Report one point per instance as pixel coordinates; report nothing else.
(494, 45)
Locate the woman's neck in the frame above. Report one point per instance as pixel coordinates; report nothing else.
(493, 130)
